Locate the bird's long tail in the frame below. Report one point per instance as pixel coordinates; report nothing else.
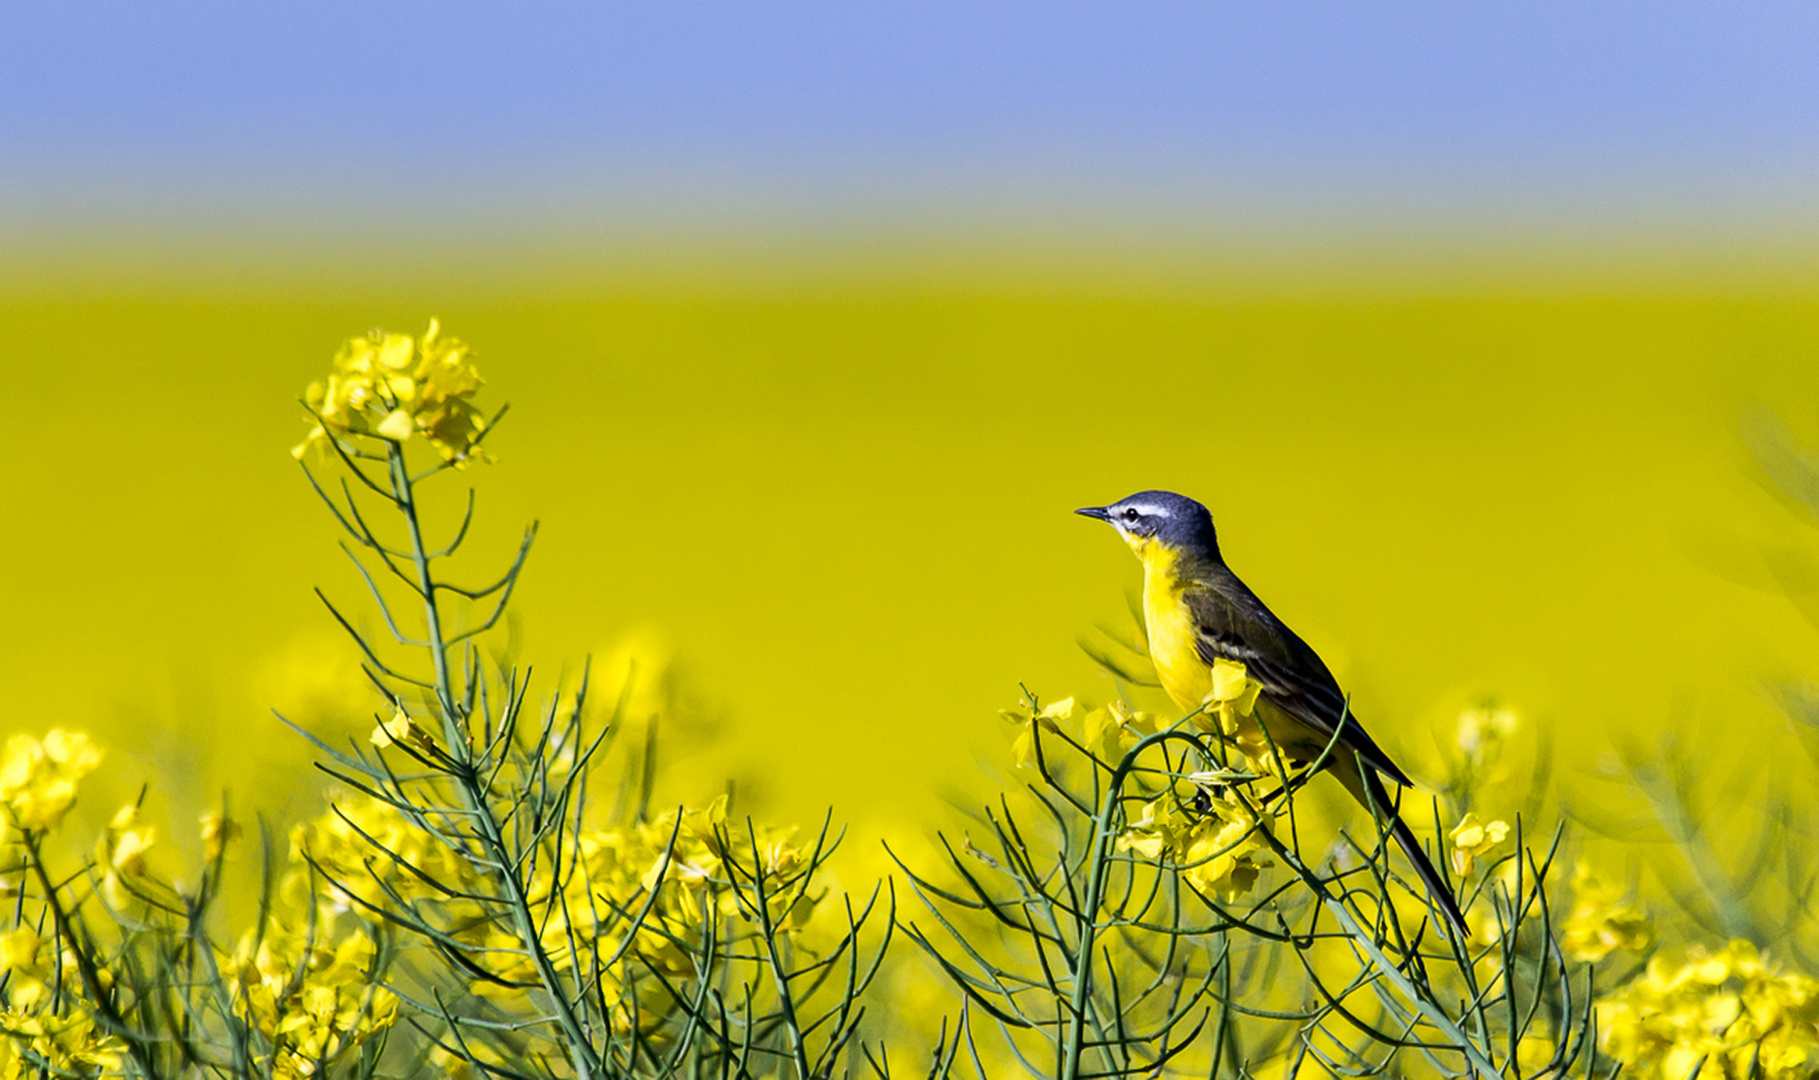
(1365, 786)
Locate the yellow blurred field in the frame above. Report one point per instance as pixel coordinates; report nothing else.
(845, 508)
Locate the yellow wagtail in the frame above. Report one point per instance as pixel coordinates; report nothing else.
(1197, 611)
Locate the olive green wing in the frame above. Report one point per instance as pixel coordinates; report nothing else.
(1231, 623)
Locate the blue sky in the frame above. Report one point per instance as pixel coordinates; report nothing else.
(491, 109)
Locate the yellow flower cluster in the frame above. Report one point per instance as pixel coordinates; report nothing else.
(312, 997)
(1214, 843)
(38, 778)
(688, 884)
(396, 387)
(308, 985)
(38, 782)
(68, 1043)
(1601, 922)
(625, 865)
(1729, 1014)
(360, 873)
(55, 1046)
(622, 866)
(22, 958)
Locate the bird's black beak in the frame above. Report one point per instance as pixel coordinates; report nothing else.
(1099, 512)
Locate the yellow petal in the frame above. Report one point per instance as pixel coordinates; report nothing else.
(1150, 846)
(316, 435)
(217, 831)
(24, 754)
(1477, 837)
(18, 949)
(1023, 747)
(1229, 679)
(397, 425)
(129, 853)
(395, 354)
(73, 751)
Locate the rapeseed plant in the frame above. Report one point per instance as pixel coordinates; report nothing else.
(675, 941)
(38, 778)
(1125, 920)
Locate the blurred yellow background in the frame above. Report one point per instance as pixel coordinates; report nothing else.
(844, 503)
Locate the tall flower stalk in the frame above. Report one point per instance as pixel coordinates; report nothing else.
(647, 947)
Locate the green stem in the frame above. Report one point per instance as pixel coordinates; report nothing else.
(238, 1031)
(1075, 1046)
(85, 964)
(1384, 965)
(786, 1001)
(581, 1051)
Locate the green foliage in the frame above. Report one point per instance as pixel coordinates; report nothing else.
(1097, 951)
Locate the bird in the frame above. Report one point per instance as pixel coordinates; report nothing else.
(1196, 611)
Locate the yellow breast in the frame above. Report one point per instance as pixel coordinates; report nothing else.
(1187, 678)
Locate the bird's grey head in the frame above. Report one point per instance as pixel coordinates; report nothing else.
(1173, 520)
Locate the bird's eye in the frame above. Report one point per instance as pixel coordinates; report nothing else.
(1131, 514)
